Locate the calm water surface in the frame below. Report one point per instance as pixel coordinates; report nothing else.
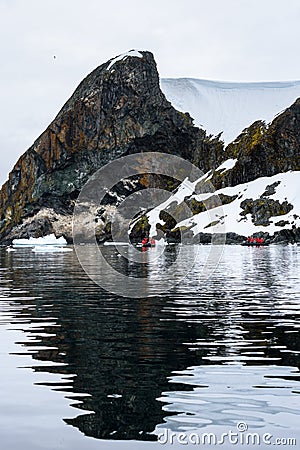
(82, 368)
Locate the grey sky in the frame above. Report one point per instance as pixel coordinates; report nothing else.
(241, 40)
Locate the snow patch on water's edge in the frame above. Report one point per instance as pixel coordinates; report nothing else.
(50, 239)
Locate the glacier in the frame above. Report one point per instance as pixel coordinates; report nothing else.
(229, 107)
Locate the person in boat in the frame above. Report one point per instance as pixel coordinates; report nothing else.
(255, 240)
(145, 241)
(149, 242)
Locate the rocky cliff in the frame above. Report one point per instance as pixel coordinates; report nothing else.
(116, 110)
(258, 184)
(119, 109)
(264, 150)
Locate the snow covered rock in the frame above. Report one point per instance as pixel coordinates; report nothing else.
(267, 206)
(256, 189)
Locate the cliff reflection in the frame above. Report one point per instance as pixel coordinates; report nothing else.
(118, 348)
(121, 352)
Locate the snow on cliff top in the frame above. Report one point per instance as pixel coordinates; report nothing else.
(132, 53)
(230, 107)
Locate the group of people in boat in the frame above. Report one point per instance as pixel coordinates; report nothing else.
(148, 242)
(255, 240)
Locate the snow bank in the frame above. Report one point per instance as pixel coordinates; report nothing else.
(229, 107)
(46, 240)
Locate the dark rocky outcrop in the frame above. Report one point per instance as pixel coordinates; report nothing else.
(262, 209)
(115, 111)
(264, 151)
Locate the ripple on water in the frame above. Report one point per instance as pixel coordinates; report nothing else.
(223, 395)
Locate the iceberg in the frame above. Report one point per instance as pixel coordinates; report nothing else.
(51, 239)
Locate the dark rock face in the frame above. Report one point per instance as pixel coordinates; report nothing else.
(115, 111)
(264, 151)
(262, 209)
(287, 236)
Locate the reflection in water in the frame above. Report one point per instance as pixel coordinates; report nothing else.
(213, 352)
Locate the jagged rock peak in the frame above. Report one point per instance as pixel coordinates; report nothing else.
(116, 110)
(137, 69)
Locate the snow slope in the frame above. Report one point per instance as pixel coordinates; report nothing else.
(288, 189)
(228, 216)
(226, 106)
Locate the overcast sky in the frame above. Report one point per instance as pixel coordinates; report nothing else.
(238, 40)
